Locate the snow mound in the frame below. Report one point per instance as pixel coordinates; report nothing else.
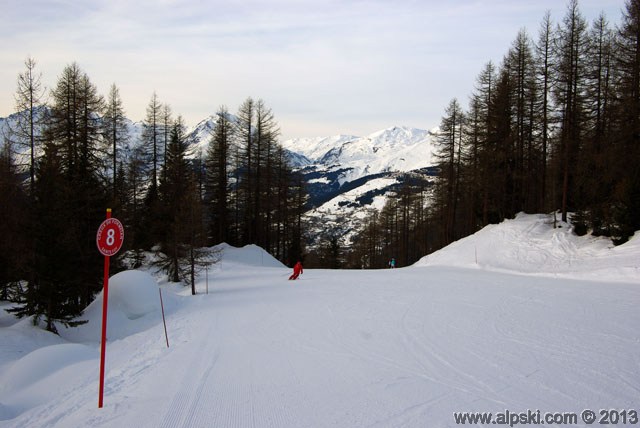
(134, 292)
(134, 306)
(43, 375)
(249, 255)
(44, 361)
(529, 244)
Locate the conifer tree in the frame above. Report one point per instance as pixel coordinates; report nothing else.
(30, 110)
(16, 255)
(53, 294)
(74, 134)
(544, 66)
(522, 80)
(477, 134)
(569, 94)
(138, 233)
(626, 136)
(116, 135)
(449, 158)
(173, 193)
(181, 213)
(152, 142)
(166, 126)
(218, 166)
(595, 173)
(266, 131)
(245, 185)
(283, 176)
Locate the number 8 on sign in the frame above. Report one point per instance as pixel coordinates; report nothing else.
(110, 237)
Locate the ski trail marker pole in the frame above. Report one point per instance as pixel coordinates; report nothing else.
(109, 241)
(163, 321)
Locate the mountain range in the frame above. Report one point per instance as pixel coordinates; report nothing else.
(347, 176)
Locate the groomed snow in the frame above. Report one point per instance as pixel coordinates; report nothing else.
(388, 348)
(529, 244)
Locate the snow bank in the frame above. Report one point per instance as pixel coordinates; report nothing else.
(529, 244)
(249, 255)
(36, 367)
(21, 338)
(134, 306)
(40, 363)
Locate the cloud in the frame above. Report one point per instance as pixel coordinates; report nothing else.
(346, 64)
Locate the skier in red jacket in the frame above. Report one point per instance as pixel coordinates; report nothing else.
(297, 270)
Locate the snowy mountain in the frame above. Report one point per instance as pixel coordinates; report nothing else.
(8, 128)
(396, 149)
(348, 176)
(199, 137)
(9, 124)
(402, 347)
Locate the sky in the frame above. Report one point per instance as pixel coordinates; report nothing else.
(324, 67)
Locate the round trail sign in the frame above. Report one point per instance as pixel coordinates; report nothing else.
(110, 237)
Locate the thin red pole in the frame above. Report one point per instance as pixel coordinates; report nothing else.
(105, 299)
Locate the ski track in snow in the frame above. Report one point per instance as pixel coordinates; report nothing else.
(389, 348)
(185, 408)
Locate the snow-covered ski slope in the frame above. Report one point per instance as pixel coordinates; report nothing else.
(388, 348)
(529, 244)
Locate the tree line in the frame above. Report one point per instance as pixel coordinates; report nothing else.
(554, 128)
(67, 159)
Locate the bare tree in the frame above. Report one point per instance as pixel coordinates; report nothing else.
(116, 132)
(29, 103)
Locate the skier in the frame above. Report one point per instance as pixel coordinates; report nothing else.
(297, 270)
(392, 263)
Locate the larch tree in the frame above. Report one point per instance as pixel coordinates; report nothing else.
(626, 205)
(570, 97)
(16, 255)
(30, 113)
(449, 158)
(152, 140)
(116, 133)
(596, 172)
(173, 193)
(75, 131)
(181, 213)
(244, 133)
(69, 196)
(544, 67)
(218, 168)
(266, 135)
(167, 123)
(477, 133)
